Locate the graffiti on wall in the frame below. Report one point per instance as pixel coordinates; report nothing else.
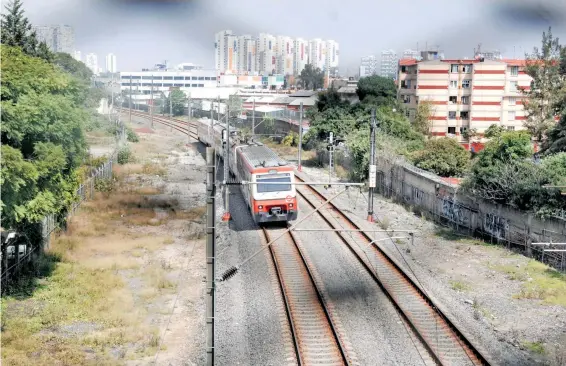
(495, 225)
(418, 196)
(455, 212)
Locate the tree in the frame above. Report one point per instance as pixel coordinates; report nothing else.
(76, 68)
(423, 117)
(547, 88)
(444, 157)
(493, 131)
(175, 102)
(381, 90)
(42, 138)
(17, 32)
(311, 77)
(505, 173)
(330, 99)
(556, 137)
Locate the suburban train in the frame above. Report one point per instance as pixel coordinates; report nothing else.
(254, 162)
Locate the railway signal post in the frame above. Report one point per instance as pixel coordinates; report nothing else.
(372, 167)
(253, 118)
(300, 134)
(210, 253)
(151, 106)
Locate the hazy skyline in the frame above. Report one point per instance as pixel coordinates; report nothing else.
(142, 33)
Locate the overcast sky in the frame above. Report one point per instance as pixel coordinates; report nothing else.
(142, 33)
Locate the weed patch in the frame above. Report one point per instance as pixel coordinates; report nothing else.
(459, 286)
(535, 347)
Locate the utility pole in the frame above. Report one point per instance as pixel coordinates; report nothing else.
(300, 134)
(253, 118)
(151, 107)
(130, 99)
(210, 254)
(210, 129)
(218, 106)
(226, 216)
(330, 152)
(372, 167)
(170, 105)
(189, 104)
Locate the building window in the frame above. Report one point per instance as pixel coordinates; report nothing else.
(467, 68)
(454, 68)
(511, 115)
(465, 100)
(451, 130)
(201, 77)
(179, 78)
(453, 83)
(512, 101)
(213, 78)
(452, 115)
(146, 77)
(201, 85)
(207, 78)
(510, 128)
(193, 78)
(466, 83)
(514, 70)
(406, 99)
(194, 86)
(453, 99)
(407, 113)
(465, 115)
(512, 86)
(168, 78)
(179, 85)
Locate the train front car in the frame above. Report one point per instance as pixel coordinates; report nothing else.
(273, 198)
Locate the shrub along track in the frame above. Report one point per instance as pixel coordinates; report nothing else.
(315, 330)
(444, 342)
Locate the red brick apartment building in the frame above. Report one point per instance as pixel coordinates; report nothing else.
(466, 94)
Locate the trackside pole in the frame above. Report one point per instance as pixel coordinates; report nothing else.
(300, 135)
(372, 167)
(210, 254)
(226, 216)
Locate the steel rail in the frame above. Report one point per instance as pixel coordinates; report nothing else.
(427, 322)
(315, 335)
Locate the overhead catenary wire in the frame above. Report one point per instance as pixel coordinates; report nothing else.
(230, 272)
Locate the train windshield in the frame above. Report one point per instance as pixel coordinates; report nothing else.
(277, 183)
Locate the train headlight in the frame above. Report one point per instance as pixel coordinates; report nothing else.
(260, 207)
(290, 205)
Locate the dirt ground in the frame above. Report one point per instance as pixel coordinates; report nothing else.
(125, 283)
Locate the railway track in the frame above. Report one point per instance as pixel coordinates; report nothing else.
(184, 127)
(315, 334)
(445, 344)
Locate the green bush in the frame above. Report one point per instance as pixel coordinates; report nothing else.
(124, 155)
(292, 139)
(132, 136)
(444, 157)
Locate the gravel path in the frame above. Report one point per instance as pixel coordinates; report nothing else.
(251, 326)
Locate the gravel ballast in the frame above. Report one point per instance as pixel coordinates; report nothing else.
(371, 323)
